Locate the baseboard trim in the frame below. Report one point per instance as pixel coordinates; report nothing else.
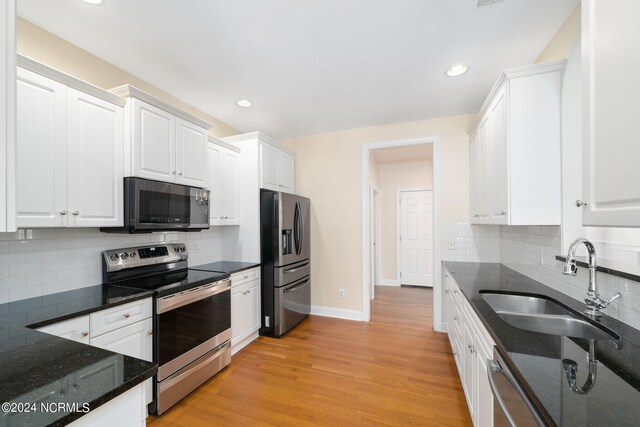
(245, 342)
(338, 313)
(389, 282)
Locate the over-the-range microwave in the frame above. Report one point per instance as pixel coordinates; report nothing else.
(162, 206)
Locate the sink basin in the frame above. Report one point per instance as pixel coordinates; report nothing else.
(546, 316)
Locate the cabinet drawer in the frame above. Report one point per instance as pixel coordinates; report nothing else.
(120, 316)
(245, 276)
(76, 329)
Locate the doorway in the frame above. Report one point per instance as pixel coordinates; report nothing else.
(375, 238)
(415, 237)
(368, 272)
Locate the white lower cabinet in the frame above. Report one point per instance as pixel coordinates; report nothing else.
(123, 411)
(245, 308)
(125, 329)
(472, 346)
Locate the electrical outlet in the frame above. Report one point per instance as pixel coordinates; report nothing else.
(452, 245)
(542, 257)
(341, 293)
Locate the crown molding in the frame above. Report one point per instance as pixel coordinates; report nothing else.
(224, 144)
(64, 78)
(260, 136)
(128, 91)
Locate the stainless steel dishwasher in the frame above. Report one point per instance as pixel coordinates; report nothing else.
(511, 406)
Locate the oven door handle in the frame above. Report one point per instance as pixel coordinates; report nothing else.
(171, 302)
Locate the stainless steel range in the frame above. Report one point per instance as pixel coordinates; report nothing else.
(192, 315)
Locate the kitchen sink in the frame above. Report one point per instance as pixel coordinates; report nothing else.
(538, 314)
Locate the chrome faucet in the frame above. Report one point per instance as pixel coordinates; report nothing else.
(594, 302)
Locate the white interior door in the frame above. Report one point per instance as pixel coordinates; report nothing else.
(416, 238)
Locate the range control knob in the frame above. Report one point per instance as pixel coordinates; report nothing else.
(114, 257)
(176, 248)
(182, 249)
(124, 255)
(132, 254)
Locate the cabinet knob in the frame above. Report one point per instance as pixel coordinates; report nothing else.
(76, 213)
(180, 173)
(455, 292)
(455, 318)
(75, 387)
(581, 203)
(501, 213)
(446, 275)
(476, 216)
(246, 276)
(174, 172)
(446, 291)
(63, 212)
(149, 332)
(84, 333)
(126, 315)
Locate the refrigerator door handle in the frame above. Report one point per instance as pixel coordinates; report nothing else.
(301, 229)
(296, 228)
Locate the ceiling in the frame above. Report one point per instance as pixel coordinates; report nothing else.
(310, 66)
(403, 154)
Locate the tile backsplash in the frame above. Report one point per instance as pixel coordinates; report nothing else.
(531, 250)
(45, 261)
(470, 243)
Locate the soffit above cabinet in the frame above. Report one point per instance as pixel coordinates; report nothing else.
(128, 91)
(70, 81)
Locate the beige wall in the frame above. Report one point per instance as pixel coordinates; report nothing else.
(329, 171)
(394, 176)
(560, 45)
(39, 44)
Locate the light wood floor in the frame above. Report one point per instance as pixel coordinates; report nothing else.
(393, 370)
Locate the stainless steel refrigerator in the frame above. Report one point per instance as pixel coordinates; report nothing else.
(286, 261)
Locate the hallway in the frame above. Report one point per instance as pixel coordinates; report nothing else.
(393, 370)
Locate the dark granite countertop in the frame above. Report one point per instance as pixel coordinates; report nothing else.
(228, 267)
(35, 366)
(536, 358)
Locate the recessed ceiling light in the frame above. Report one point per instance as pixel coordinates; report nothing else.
(245, 103)
(457, 70)
(94, 2)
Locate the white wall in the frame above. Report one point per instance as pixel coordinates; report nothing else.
(56, 260)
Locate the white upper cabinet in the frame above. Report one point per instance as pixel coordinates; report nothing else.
(269, 155)
(41, 154)
(611, 107)
(163, 143)
(515, 149)
(191, 149)
(7, 114)
(69, 152)
(277, 168)
(95, 146)
(223, 182)
(154, 142)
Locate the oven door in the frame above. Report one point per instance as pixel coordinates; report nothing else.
(190, 324)
(153, 205)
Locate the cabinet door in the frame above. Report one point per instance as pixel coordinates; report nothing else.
(474, 179)
(238, 308)
(484, 171)
(97, 379)
(214, 152)
(96, 143)
(468, 365)
(285, 171)
(611, 106)
(269, 166)
(135, 340)
(191, 154)
(230, 188)
(483, 394)
(499, 160)
(41, 168)
(154, 142)
(76, 329)
(252, 306)
(7, 114)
